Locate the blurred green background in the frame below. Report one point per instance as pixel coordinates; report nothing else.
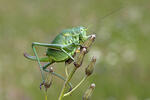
(122, 47)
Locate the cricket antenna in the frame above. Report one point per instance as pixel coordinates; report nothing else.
(108, 14)
(112, 12)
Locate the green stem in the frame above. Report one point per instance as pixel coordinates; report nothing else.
(66, 71)
(76, 86)
(45, 95)
(66, 82)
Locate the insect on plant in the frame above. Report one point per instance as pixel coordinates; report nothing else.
(62, 48)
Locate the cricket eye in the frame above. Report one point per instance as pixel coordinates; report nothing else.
(81, 30)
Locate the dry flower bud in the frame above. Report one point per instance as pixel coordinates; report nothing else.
(88, 92)
(51, 69)
(90, 67)
(92, 86)
(89, 42)
(79, 60)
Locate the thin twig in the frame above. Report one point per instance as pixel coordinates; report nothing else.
(66, 82)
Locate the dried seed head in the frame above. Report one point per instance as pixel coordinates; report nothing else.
(90, 67)
(92, 86)
(89, 41)
(47, 85)
(88, 92)
(79, 60)
(93, 36)
(51, 69)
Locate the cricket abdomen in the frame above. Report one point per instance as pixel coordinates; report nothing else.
(57, 55)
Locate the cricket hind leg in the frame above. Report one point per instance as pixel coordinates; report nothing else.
(53, 46)
(38, 60)
(33, 58)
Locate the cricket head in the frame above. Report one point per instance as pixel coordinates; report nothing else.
(82, 33)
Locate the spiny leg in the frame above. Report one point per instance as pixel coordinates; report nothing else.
(55, 46)
(46, 65)
(33, 58)
(41, 69)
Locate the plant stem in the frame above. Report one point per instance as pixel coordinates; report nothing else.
(45, 95)
(76, 86)
(66, 70)
(66, 82)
